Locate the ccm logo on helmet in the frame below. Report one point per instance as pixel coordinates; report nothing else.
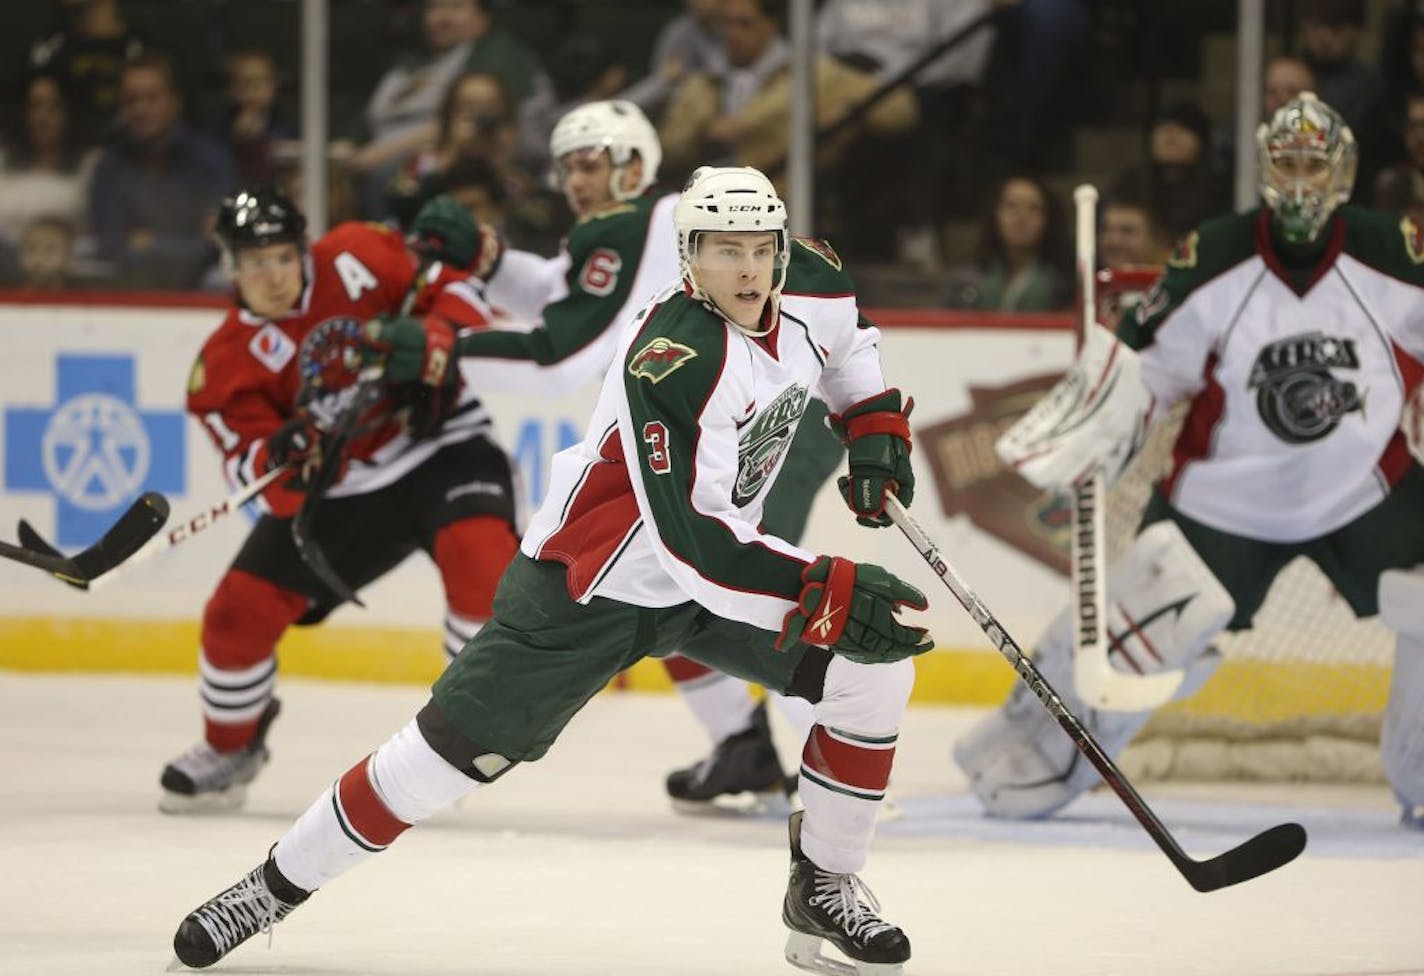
(745, 208)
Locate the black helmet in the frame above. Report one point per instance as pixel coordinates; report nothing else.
(253, 218)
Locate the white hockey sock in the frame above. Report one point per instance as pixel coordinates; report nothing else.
(721, 702)
(845, 765)
(400, 784)
(798, 712)
(459, 631)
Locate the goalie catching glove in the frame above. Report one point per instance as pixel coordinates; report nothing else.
(876, 433)
(1095, 417)
(852, 608)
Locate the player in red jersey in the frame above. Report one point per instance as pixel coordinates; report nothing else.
(421, 471)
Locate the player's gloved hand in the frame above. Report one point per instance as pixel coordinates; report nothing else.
(876, 432)
(298, 445)
(853, 608)
(412, 350)
(445, 231)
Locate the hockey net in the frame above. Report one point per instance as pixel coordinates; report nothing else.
(1301, 695)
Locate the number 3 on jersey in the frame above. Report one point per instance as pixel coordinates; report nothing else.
(655, 435)
(600, 272)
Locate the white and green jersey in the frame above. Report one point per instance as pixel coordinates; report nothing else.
(613, 263)
(1297, 376)
(662, 501)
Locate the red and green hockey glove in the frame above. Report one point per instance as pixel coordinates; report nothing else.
(853, 609)
(446, 232)
(412, 350)
(876, 433)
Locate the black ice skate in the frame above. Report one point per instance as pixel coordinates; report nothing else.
(744, 763)
(840, 908)
(203, 780)
(256, 903)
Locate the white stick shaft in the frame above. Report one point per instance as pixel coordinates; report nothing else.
(198, 523)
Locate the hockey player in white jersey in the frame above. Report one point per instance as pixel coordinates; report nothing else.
(1297, 334)
(620, 253)
(649, 541)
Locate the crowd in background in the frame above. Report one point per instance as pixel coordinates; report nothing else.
(930, 113)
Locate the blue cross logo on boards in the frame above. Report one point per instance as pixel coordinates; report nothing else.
(94, 449)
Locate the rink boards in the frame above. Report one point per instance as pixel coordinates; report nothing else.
(91, 413)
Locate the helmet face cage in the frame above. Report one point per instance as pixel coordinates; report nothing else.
(731, 199)
(1307, 158)
(619, 127)
(257, 218)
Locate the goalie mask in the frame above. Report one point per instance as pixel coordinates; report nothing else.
(730, 199)
(1307, 157)
(617, 126)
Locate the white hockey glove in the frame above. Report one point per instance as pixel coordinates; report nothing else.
(1095, 417)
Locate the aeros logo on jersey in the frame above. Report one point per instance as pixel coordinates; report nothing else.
(764, 442)
(330, 358)
(1299, 399)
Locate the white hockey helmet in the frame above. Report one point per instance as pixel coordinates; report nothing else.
(721, 199)
(1307, 158)
(616, 125)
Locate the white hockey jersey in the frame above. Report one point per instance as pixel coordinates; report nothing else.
(1298, 376)
(661, 502)
(614, 263)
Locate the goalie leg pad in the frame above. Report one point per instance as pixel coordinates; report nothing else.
(1401, 599)
(1165, 606)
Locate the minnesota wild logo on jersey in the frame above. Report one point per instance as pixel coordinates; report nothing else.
(1298, 397)
(765, 440)
(659, 358)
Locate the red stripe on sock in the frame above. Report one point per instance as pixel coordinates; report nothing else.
(364, 810)
(842, 762)
(682, 669)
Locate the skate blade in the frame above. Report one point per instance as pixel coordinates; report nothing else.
(804, 952)
(220, 801)
(737, 805)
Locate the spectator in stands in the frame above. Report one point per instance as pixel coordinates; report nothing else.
(476, 185)
(1401, 187)
(46, 254)
(156, 189)
(688, 44)
(915, 177)
(740, 114)
(476, 122)
(1131, 233)
(1330, 35)
(1023, 263)
(1179, 170)
(251, 121)
(86, 52)
(46, 172)
(401, 115)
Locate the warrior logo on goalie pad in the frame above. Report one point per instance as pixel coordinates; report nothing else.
(1298, 398)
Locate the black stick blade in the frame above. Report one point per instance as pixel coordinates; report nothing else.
(39, 545)
(1260, 855)
(142, 521)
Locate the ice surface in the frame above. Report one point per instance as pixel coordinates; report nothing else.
(577, 865)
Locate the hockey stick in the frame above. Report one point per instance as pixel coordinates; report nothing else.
(1096, 681)
(1263, 853)
(139, 523)
(366, 392)
(182, 532)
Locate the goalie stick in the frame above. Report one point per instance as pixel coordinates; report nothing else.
(139, 523)
(1259, 855)
(1096, 681)
(182, 532)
